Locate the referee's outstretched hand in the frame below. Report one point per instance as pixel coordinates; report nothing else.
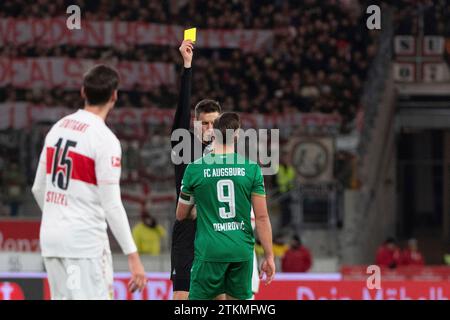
(268, 269)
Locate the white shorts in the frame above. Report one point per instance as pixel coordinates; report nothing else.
(80, 279)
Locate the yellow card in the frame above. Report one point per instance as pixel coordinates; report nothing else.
(190, 34)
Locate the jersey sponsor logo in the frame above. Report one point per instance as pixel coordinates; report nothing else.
(116, 162)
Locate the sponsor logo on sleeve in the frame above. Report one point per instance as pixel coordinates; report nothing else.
(115, 162)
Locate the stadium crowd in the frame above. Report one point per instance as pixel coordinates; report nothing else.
(317, 62)
(390, 255)
(435, 15)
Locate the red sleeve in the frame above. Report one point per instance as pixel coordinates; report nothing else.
(308, 260)
(397, 257)
(379, 260)
(383, 258)
(405, 258)
(422, 260)
(285, 262)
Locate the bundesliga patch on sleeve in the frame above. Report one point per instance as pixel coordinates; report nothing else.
(116, 162)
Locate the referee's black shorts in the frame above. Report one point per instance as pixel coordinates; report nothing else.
(182, 254)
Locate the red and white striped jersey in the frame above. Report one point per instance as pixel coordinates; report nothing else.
(80, 152)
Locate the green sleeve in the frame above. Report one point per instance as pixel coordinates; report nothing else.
(186, 182)
(258, 182)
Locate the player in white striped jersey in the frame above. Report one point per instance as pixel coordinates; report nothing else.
(77, 188)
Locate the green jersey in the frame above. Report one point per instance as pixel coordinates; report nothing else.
(222, 186)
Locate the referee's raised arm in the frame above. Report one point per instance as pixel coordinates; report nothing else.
(182, 119)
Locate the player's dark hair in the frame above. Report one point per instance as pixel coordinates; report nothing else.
(207, 106)
(226, 121)
(99, 83)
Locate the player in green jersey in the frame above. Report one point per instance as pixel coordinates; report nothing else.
(224, 186)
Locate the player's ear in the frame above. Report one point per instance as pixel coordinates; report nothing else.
(83, 95)
(114, 96)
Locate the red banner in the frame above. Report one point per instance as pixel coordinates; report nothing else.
(417, 273)
(68, 73)
(19, 235)
(354, 290)
(284, 287)
(54, 32)
(22, 115)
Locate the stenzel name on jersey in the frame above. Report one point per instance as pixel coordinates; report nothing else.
(56, 198)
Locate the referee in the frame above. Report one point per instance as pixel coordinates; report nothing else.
(183, 234)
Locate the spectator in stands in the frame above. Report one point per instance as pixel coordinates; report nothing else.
(411, 256)
(388, 254)
(285, 182)
(147, 235)
(15, 182)
(297, 258)
(279, 247)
